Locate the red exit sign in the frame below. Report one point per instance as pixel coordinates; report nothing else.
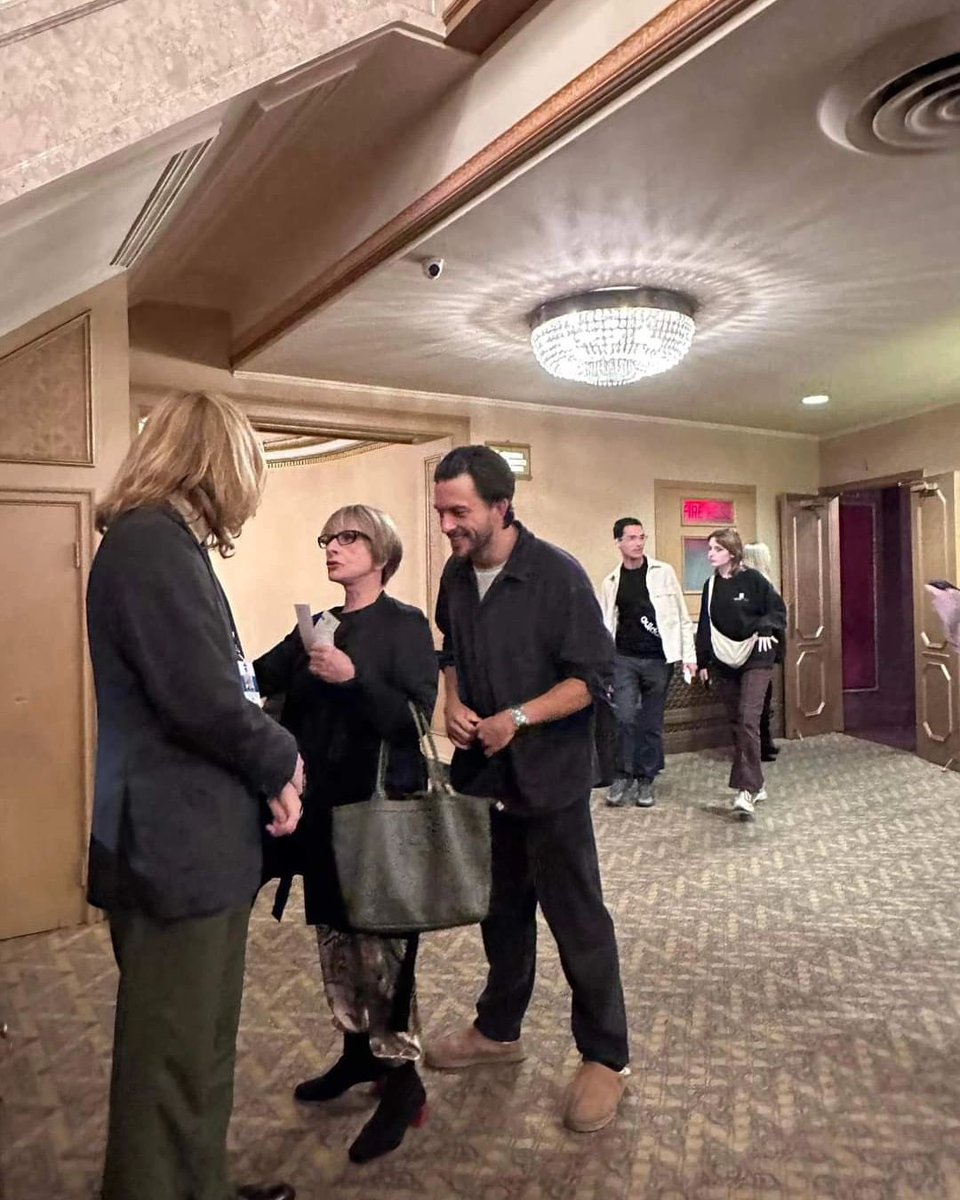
(709, 512)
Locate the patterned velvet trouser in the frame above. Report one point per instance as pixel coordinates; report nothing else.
(369, 985)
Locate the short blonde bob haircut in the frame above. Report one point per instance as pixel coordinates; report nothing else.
(729, 538)
(757, 556)
(200, 453)
(385, 544)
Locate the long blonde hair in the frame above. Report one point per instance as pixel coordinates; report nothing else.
(757, 555)
(195, 451)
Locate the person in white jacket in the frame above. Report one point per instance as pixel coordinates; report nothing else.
(643, 607)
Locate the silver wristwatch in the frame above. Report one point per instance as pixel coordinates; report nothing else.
(519, 717)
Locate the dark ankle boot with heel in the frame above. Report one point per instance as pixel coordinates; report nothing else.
(356, 1065)
(403, 1102)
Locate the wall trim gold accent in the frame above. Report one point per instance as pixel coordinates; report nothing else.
(317, 460)
(653, 45)
(82, 322)
(608, 414)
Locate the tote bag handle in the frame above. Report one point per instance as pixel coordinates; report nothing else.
(438, 782)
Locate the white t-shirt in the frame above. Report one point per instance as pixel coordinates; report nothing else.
(486, 577)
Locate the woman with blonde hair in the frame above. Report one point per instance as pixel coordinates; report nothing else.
(343, 698)
(742, 619)
(183, 763)
(757, 555)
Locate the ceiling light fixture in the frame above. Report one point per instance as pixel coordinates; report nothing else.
(613, 336)
(813, 401)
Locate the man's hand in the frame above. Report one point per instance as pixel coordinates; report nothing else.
(331, 665)
(496, 732)
(461, 723)
(690, 670)
(287, 810)
(703, 675)
(298, 778)
(766, 642)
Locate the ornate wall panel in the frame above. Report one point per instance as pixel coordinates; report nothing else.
(46, 404)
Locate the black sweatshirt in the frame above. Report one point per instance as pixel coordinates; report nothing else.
(745, 604)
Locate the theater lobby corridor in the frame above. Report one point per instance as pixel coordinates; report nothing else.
(792, 987)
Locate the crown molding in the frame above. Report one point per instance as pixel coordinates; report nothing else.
(404, 395)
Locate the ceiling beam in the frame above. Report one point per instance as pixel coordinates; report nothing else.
(661, 39)
(475, 25)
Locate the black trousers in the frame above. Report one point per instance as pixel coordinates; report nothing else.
(552, 858)
(174, 1047)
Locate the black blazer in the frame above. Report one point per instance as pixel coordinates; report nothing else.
(182, 755)
(339, 728)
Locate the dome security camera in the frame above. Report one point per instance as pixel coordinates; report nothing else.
(433, 267)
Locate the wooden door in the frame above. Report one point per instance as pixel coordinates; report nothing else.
(810, 556)
(933, 511)
(43, 783)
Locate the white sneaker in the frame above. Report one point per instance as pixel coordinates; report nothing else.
(761, 795)
(743, 806)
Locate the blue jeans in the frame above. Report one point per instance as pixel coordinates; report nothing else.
(639, 697)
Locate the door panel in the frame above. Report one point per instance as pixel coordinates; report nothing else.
(42, 728)
(809, 532)
(933, 511)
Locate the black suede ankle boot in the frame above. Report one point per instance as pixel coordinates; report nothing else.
(403, 1102)
(356, 1064)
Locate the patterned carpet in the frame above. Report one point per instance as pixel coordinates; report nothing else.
(792, 988)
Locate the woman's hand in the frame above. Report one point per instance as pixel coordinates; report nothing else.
(461, 723)
(331, 665)
(287, 810)
(703, 675)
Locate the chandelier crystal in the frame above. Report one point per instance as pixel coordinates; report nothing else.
(614, 336)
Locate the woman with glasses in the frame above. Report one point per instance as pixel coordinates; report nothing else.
(348, 693)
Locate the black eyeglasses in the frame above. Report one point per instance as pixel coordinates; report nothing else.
(346, 537)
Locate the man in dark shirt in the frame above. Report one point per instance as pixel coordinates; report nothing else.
(644, 608)
(524, 651)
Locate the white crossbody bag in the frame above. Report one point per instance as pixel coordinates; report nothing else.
(729, 651)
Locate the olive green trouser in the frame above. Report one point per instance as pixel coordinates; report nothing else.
(174, 1047)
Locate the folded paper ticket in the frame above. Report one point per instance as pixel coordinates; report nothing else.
(315, 634)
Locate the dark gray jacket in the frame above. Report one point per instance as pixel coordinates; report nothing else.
(182, 756)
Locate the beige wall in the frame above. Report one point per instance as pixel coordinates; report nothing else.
(278, 563)
(588, 470)
(930, 441)
(110, 388)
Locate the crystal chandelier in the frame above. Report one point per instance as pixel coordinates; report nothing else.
(613, 336)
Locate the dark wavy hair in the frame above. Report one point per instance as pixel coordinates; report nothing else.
(489, 471)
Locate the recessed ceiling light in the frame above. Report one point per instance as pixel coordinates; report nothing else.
(814, 400)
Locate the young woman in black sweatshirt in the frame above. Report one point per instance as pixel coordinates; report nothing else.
(742, 624)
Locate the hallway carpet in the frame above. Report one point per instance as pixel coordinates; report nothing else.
(793, 987)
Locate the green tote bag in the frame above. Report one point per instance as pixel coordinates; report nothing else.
(418, 863)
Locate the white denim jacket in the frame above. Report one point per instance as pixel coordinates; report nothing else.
(666, 596)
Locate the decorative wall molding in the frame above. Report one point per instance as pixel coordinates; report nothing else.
(652, 46)
(157, 207)
(316, 460)
(47, 411)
